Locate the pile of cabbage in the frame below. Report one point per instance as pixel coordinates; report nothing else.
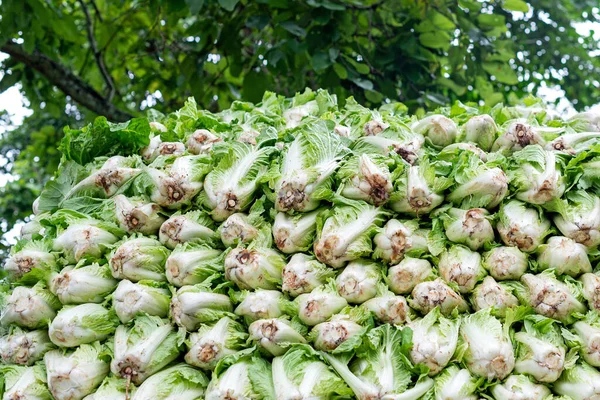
(304, 249)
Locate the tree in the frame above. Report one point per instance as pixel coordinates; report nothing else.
(76, 59)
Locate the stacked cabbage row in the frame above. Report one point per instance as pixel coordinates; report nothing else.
(297, 249)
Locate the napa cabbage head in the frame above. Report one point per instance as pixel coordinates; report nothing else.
(232, 185)
(344, 232)
(300, 373)
(241, 376)
(488, 351)
(379, 370)
(304, 174)
(434, 340)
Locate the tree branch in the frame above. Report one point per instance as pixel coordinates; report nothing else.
(98, 54)
(72, 85)
(97, 10)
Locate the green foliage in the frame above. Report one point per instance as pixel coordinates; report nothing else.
(156, 53)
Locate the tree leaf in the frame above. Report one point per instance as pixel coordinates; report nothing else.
(293, 28)
(515, 5)
(435, 40)
(363, 83)
(503, 72)
(194, 5)
(340, 70)
(229, 5)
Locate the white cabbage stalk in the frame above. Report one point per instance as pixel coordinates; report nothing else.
(137, 216)
(24, 347)
(487, 188)
(139, 258)
(430, 294)
(587, 337)
(248, 377)
(564, 256)
(176, 186)
(85, 323)
(73, 375)
(591, 290)
(440, 130)
(194, 226)
(295, 114)
(294, 233)
(406, 147)
(537, 180)
(379, 372)
(168, 149)
(28, 307)
(346, 233)
(580, 382)
(300, 374)
(179, 382)
(237, 229)
(201, 141)
(342, 130)
(144, 348)
(341, 328)
(397, 239)
(147, 297)
(303, 273)
(454, 383)
(586, 121)
(248, 135)
(358, 281)
(403, 278)
(192, 264)
(320, 304)
(434, 341)
(31, 229)
(374, 127)
(574, 143)
(552, 298)
(578, 218)
(522, 226)
(27, 383)
(231, 186)
(366, 178)
(417, 196)
(489, 352)
(256, 268)
(469, 227)
(106, 181)
(306, 168)
(83, 284)
(213, 342)
(389, 308)
(481, 129)
(35, 207)
(274, 335)
(505, 263)
(33, 256)
(84, 240)
(112, 388)
(517, 136)
(261, 304)
(194, 305)
(539, 357)
(149, 153)
(491, 294)
(519, 387)
(462, 267)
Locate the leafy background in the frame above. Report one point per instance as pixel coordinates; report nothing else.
(73, 60)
